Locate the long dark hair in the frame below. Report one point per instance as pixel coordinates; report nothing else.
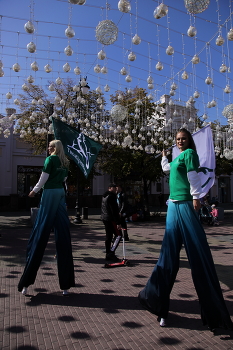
(190, 138)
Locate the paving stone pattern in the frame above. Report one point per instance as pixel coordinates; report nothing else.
(102, 311)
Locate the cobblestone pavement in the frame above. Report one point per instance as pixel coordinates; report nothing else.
(102, 311)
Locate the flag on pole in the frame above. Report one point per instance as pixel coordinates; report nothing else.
(77, 146)
(205, 149)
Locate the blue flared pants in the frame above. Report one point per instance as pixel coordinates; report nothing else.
(184, 227)
(52, 214)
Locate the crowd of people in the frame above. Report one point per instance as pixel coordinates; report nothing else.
(183, 227)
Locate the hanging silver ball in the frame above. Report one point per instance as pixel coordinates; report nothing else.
(77, 2)
(30, 79)
(223, 68)
(59, 81)
(208, 80)
(101, 55)
(230, 35)
(16, 67)
(34, 66)
(159, 66)
(128, 78)
(66, 67)
(192, 31)
(170, 50)
(47, 68)
(195, 59)
(68, 51)
(184, 75)
(136, 40)
(69, 32)
(97, 68)
(123, 71)
(31, 47)
(132, 56)
(77, 70)
(220, 40)
(194, 6)
(29, 27)
(124, 6)
(160, 11)
(106, 32)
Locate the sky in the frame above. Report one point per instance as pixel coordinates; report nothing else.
(52, 17)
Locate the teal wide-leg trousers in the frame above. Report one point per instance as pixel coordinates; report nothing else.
(184, 227)
(52, 214)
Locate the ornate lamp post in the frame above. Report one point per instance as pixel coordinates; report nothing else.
(84, 88)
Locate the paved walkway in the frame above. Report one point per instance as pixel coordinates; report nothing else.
(102, 311)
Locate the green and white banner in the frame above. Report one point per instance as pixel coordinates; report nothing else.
(77, 146)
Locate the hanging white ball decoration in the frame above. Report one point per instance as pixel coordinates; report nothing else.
(76, 88)
(196, 6)
(196, 94)
(123, 71)
(17, 102)
(184, 75)
(16, 67)
(230, 34)
(77, 70)
(159, 66)
(228, 111)
(172, 92)
(30, 79)
(150, 80)
(77, 2)
(136, 40)
(195, 59)
(1, 72)
(51, 87)
(34, 66)
(104, 70)
(69, 32)
(25, 87)
(220, 40)
(29, 27)
(106, 32)
(160, 11)
(106, 88)
(101, 55)
(170, 50)
(174, 86)
(223, 68)
(150, 86)
(119, 113)
(47, 68)
(213, 103)
(150, 97)
(131, 57)
(227, 89)
(68, 51)
(98, 90)
(9, 95)
(124, 6)
(208, 80)
(97, 68)
(192, 31)
(31, 47)
(59, 81)
(66, 67)
(128, 78)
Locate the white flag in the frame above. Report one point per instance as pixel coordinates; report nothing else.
(205, 149)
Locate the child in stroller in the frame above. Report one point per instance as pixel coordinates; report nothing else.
(214, 214)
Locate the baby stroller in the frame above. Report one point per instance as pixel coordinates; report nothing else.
(205, 215)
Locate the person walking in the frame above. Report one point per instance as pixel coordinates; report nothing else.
(112, 222)
(52, 214)
(184, 227)
(123, 209)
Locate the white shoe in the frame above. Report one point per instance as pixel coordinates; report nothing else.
(24, 291)
(65, 292)
(162, 322)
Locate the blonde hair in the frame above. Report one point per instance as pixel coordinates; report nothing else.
(59, 151)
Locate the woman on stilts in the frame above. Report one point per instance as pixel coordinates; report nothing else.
(52, 214)
(184, 227)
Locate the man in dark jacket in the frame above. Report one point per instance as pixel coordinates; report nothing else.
(111, 219)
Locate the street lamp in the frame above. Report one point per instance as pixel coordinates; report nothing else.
(83, 90)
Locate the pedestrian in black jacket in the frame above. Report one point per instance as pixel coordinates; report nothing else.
(111, 219)
(123, 206)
